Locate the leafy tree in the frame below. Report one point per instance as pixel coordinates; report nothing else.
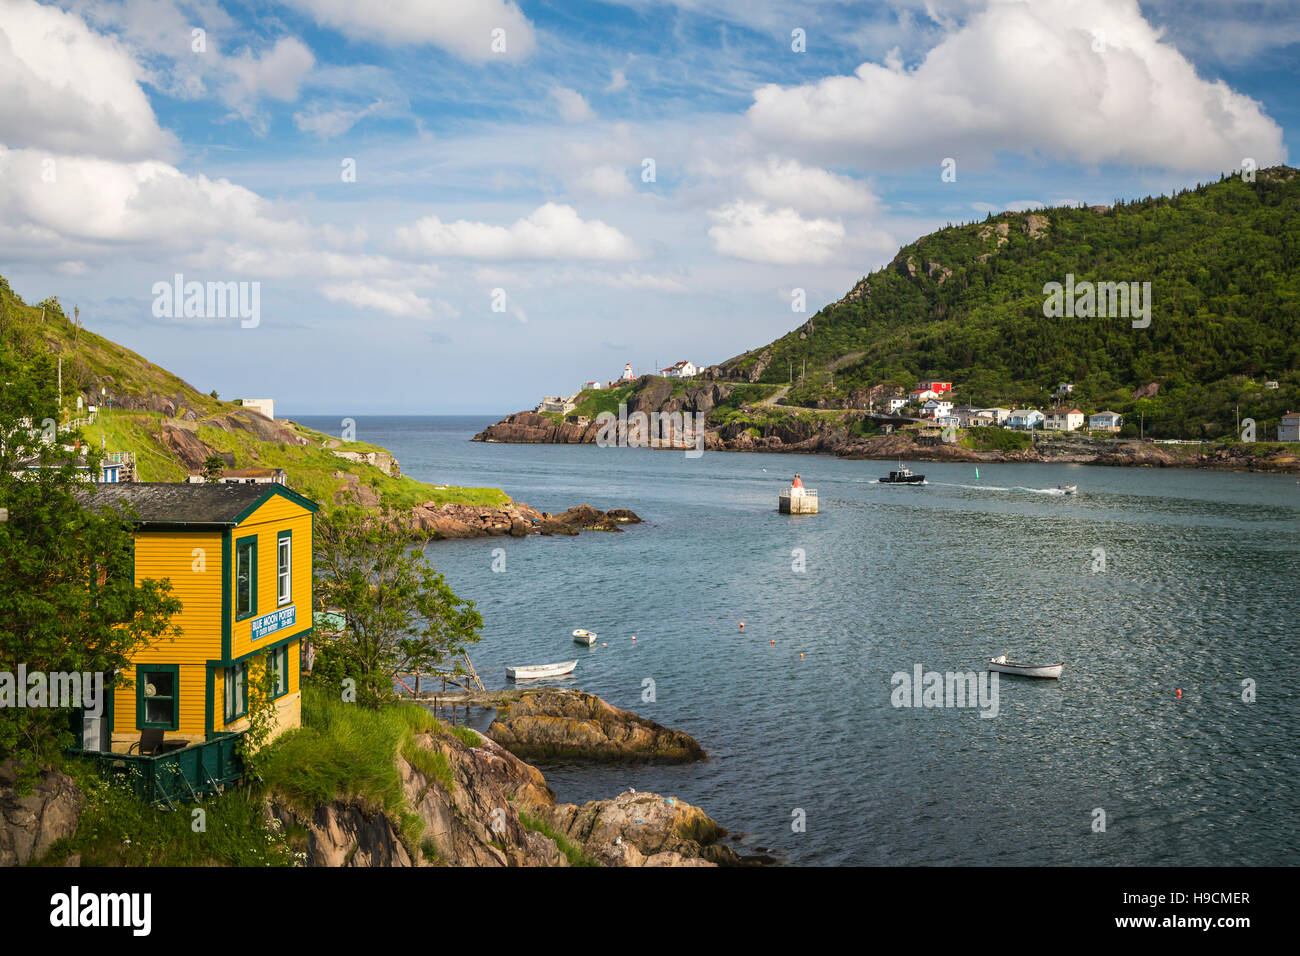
(214, 466)
(69, 601)
(401, 615)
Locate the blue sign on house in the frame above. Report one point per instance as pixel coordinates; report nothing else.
(270, 623)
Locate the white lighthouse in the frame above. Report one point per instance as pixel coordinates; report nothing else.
(627, 372)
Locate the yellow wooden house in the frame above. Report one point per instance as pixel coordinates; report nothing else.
(239, 558)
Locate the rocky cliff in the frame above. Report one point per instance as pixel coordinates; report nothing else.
(498, 811)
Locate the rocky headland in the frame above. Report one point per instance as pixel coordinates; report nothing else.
(839, 436)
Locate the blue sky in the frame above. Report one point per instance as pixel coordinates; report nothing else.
(133, 149)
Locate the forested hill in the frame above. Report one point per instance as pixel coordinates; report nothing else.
(966, 305)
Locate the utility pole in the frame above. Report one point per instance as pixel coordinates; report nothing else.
(60, 383)
(1142, 426)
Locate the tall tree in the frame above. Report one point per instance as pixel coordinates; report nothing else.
(69, 603)
(400, 614)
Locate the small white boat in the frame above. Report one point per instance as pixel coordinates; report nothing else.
(1004, 666)
(535, 671)
(582, 636)
(1069, 489)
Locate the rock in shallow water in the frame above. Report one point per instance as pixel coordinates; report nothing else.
(554, 724)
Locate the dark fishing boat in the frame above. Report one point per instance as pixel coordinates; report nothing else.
(903, 476)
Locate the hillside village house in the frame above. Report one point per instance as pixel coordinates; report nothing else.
(999, 415)
(920, 395)
(939, 388)
(595, 386)
(1106, 421)
(1063, 419)
(936, 407)
(246, 476)
(1289, 428)
(1024, 418)
(1062, 390)
(893, 404)
(682, 369)
(239, 558)
(554, 403)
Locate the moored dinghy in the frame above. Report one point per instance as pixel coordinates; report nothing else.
(1004, 666)
(535, 671)
(583, 636)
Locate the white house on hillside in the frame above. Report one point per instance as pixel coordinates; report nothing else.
(999, 415)
(1106, 421)
(1289, 428)
(1025, 418)
(936, 407)
(682, 369)
(893, 403)
(1063, 419)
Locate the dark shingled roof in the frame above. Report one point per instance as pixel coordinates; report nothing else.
(171, 502)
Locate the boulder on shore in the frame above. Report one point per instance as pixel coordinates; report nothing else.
(552, 724)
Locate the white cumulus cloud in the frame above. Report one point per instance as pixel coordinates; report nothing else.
(809, 189)
(552, 231)
(462, 28)
(1082, 80)
(752, 231)
(68, 89)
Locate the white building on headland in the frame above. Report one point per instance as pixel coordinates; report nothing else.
(627, 373)
(682, 369)
(264, 406)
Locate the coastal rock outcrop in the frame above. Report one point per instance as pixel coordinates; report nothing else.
(30, 824)
(496, 810)
(454, 521)
(554, 724)
(644, 829)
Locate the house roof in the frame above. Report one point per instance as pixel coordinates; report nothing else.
(1066, 411)
(182, 503)
(1106, 412)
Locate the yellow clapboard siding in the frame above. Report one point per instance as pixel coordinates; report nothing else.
(191, 562)
(191, 703)
(271, 518)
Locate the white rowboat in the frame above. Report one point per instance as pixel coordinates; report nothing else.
(535, 671)
(1004, 666)
(581, 636)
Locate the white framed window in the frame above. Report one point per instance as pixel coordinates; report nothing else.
(284, 568)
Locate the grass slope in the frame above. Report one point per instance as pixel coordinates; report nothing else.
(92, 362)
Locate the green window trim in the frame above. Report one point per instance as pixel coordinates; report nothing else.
(235, 677)
(142, 672)
(242, 546)
(282, 538)
(278, 661)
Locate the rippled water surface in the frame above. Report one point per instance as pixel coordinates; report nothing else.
(1200, 592)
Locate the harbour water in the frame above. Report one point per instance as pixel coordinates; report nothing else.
(1146, 583)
